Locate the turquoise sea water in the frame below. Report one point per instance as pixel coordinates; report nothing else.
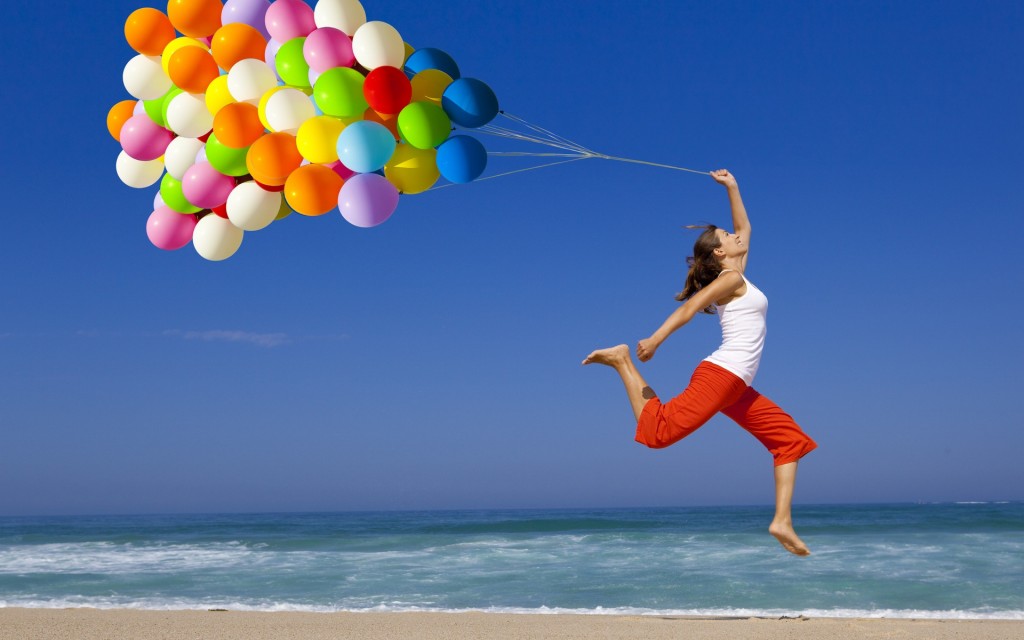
(942, 560)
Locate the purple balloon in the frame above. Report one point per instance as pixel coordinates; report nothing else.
(169, 230)
(143, 139)
(287, 19)
(206, 187)
(327, 48)
(367, 199)
(250, 12)
(270, 55)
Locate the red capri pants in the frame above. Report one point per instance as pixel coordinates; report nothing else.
(713, 389)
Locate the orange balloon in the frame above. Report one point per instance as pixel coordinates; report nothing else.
(192, 69)
(272, 158)
(312, 189)
(388, 120)
(117, 116)
(195, 18)
(237, 125)
(148, 31)
(237, 41)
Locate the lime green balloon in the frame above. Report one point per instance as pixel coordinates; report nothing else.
(173, 197)
(166, 100)
(230, 162)
(339, 92)
(291, 63)
(155, 108)
(424, 125)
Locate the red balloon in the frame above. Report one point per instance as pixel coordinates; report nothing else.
(221, 211)
(387, 90)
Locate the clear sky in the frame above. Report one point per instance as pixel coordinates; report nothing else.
(434, 361)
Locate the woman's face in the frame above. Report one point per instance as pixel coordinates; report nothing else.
(730, 244)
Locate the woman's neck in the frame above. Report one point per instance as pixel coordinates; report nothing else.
(732, 264)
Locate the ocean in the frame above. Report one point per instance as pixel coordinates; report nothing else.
(962, 560)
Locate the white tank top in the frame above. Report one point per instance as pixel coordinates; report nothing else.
(743, 331)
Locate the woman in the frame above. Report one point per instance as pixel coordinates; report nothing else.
(721, 383)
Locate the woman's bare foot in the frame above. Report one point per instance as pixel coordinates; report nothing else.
(611, 356)
(786, 535)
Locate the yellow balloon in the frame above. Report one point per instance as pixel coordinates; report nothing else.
(284, 211)
(429, 84)
(412, 170)
(262, 107)
(409, 50)
(217, 95)
(173, 46)
(317, 139)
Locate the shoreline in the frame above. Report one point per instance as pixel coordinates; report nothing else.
(138, 624)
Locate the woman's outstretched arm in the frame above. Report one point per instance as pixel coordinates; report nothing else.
(740, 221)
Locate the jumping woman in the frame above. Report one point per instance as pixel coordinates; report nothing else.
(721, 382)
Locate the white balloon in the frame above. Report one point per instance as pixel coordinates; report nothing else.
(344, 15)
(188, 116)
(249, 79)
(216, 238)
(181, 154)
(378, 44)
(144, 78)
(138, 173)
(250, 207)
(287, 109)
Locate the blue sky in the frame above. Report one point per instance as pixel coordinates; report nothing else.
(433, 362)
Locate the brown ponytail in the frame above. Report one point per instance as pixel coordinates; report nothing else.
(704, 266)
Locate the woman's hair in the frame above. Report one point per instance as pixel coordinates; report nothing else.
(704, 266)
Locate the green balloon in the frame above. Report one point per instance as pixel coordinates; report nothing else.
(424, 125)
(173, 197)
(230, 162)
(155, 108)
(291, 63)
(339, 92)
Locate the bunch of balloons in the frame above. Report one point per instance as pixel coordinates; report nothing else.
(248, 110)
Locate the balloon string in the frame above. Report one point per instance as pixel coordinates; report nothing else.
(508, 173)
(554, 136)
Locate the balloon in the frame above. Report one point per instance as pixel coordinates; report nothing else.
(238, 125)
(155, 108)
(317, 139)
(339, 92)
(227, 160)
(171, 192)
(387, 90)
(215, 238)
(326, 48)
(188, 116)
(461, 159)
(312, 190)
(144, 78)
(289, 61)
(143, 139)
(138, 174)
(250, 207)
(423, 125)
(272, 158)
(192, 69)
(169, 230)
(249, 79)
(206, 187)
(176, 45)
(287, 19)
(343, 172)
(261, 109)
(270, 54)
(118, 115)
(344, 15)
(470, 102)
(195, 18)
(180, 155)
(428, 58)
(250, 12)
(365, 146)
(284, 211)
(412, 170)
(234, 42)
(221, 210)
(287, 109)
(388, 120)
(378, 44)
(429, 85)
(217, 95)
(148, 31)
(367, 200)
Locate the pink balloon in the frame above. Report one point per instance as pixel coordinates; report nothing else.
(169, 230)
(143, 139)
(206, 187)
(327, 48)
(287, 19)
(340, 169)
(367, 200)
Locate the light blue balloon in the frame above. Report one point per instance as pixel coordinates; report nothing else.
(365, 146)
(461, 159)
(469, 102)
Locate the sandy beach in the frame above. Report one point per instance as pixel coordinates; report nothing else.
(88, 624)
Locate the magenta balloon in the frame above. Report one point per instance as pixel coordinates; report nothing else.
(250, 12)
(340, 169)
(206, 187)
(367, 199)
(143, 139)
(287, 19)
(169, 230)
(327, 48)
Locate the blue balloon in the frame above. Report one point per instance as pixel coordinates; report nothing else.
(461, 159)
(431, 59)
(364, 146)
(469, 102)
